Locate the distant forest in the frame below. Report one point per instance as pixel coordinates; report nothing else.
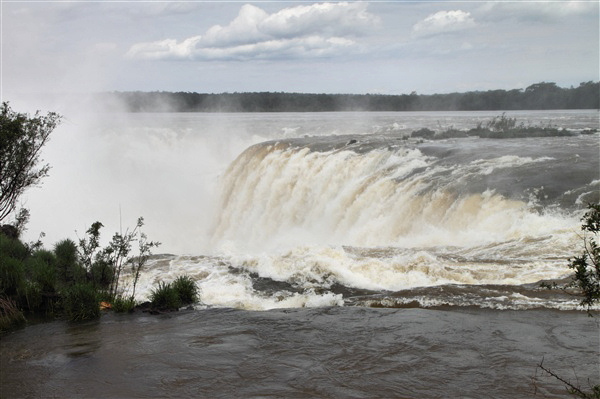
(538, 96)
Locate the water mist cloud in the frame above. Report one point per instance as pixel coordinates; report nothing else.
(303, 31)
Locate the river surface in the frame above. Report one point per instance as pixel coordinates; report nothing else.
(336, 256)
(339, 352)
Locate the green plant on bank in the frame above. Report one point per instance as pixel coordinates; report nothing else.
(80, 302)
(172, 296)
(22, 138)
(164, 297)
(587, 265)
(586, 281)
(71, 279)
(106, 265)
(186, 289)
(123, 305)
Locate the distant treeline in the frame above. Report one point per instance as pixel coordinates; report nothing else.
(538, 96)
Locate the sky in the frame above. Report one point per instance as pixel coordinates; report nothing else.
(386, 47)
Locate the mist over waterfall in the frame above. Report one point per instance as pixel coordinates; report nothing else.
(291, 210)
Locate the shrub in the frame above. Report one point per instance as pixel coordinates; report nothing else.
(123, 305)
(42, 270)
(21, 141)
(101, 274)
(424, 133)
(587, 266)
(12, 276)
(10, 315)
(165, 297)
(186, 289)
(31, 297)
(13, 248)
(80, 302)
(69, 270)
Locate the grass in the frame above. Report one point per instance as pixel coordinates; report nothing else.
(172, 296)
(165, 297)
(499, 127)
(81, 302)
(186, 289)
(10, 315)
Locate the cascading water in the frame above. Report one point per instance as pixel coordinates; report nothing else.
(379, 215)
(307, 217)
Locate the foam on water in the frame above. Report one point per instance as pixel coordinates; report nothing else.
(387, 219)
(336, 200)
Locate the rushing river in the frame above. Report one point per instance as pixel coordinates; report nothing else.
(335, 257)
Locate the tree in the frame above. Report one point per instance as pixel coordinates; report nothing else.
(587, 281)
(587, 265)
(21, 140)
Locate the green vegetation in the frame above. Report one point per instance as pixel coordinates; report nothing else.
(171, 296)
(10, 315)
(73, 279)
(586, 281)
(587, 265)
(76, 281)
(186, 289)
(165, 297)
(21, 141)
(81, 302)
(499, 127)
(544, 95)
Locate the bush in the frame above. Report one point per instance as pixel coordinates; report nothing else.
(21, 141)
(186, 289)
(10, 315)
(13, 248)
(424, 133)
(69, 270)
(12, 276)
(102, 273)
(123, 305)
(587, 266)
(165, 297)
(80, 302)
(42, 270)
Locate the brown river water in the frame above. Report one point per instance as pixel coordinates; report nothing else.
(335, 256)
(334, 352)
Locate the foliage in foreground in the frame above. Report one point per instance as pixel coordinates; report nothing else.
(587, 265)
(72, 279)
(21, 140)
(586, 280)
(172, 296)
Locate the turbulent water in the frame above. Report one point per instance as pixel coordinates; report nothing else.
(358, 213)
(340, 213)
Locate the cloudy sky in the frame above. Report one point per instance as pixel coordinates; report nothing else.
(389, 47)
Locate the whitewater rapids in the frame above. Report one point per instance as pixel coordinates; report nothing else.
(382, 221)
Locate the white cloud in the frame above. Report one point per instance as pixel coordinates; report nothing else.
(302, 31)
(542, 11)
(443, 22)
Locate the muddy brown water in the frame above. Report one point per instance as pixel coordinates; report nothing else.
(339, 352)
